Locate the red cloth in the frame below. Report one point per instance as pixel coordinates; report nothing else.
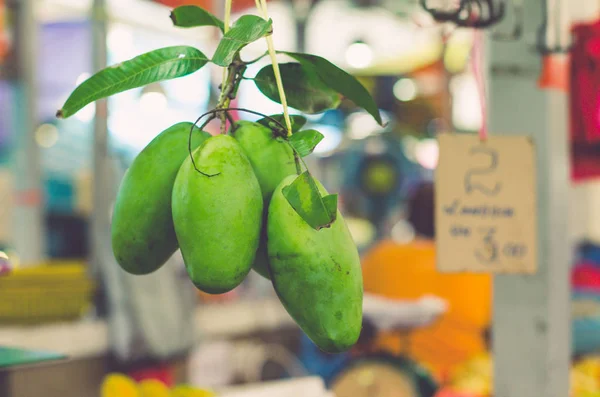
(586, 276)
(585, 101)
(160, 373)
(585, 83)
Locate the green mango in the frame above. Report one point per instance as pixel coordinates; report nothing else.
(217, 216)
(142, 233)
(261, 260)
(272, 159)
(316, 274)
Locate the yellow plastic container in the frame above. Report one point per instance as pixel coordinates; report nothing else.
(44, 293)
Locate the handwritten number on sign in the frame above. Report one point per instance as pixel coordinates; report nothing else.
(471, 185)
(489, 252)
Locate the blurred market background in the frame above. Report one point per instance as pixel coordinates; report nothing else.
(62, 293)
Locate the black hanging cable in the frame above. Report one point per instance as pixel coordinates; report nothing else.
(517, 27)
(444, 15)
(551, 36)
(469, 13)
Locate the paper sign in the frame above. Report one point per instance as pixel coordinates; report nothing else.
(486, 204)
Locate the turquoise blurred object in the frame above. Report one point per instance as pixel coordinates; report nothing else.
(586, 329)
(585, 322)
(13, 357)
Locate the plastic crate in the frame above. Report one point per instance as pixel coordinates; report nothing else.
(45, 293)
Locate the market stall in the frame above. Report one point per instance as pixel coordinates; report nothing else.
(442, 76)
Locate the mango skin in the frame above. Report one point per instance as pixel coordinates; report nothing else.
(142, 232)
(272, 159)
(316, 274)
(217, 218)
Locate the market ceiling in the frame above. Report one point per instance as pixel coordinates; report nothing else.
(396, 61)
(238, 5)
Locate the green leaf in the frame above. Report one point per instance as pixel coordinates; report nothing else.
(339, 80)
(304, 142)
(192, 16)
(247, 29)
(163, 64)
(304, 89)
(297, 122)
(305, 198)
(331, 204)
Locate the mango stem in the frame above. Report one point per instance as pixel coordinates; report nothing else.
(262, 7)
(224, 97)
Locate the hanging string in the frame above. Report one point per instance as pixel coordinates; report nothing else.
(261, 5)
(478, 72)
(227, 21)
(260, 9)
(227, 15)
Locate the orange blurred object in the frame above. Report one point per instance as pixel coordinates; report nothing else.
(555, 72)
(238, 5)
(216, 298)
(452, 393)
(408, 272)
(3, 28)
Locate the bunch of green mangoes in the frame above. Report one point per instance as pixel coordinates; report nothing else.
(223, 206)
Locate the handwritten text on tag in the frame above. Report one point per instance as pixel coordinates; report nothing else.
(486, 204)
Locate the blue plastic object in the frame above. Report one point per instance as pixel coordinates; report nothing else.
(586, 330)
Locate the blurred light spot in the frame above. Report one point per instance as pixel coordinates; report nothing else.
(427, 153)
(405, 90)
(429, 83)
(466, 106)
(190, 89)
(363, 232)
(120, 41)
(46, 135)
(409, 144)
(361, 125)
(403, 232)
(87, 113)
(153, 102)
(380, 178)
(313, 118)
(134, 128)
(82, 77)
(128, 131)
(332, 139)
(375, 146)
(359, 55)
